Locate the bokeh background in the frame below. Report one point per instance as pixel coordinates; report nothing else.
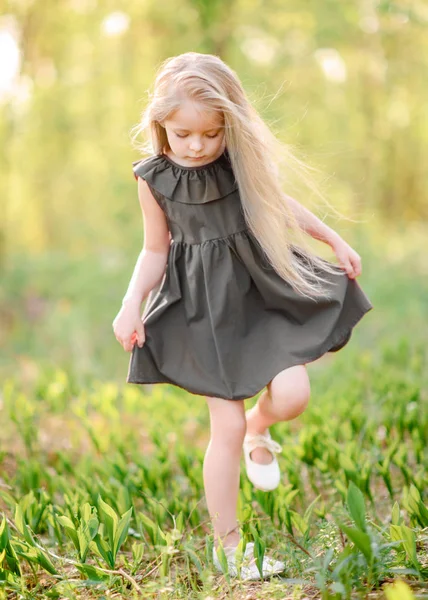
(343, 81)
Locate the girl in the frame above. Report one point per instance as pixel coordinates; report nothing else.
(236, 299)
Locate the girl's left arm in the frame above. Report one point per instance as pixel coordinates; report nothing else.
(348, 259)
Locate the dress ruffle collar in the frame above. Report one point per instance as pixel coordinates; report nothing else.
(190, 185)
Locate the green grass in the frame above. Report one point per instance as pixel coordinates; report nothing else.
(101, 484)
(66, 450)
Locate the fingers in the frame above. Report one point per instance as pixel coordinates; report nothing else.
(356, 265)
(128, 344)
(139, 334)
(349, 270)
(352, 267)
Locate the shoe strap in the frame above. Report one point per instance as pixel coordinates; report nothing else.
(262, 441)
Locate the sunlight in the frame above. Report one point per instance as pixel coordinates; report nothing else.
(258, 46)
(10, 60)
(332, 64)
(115, 23)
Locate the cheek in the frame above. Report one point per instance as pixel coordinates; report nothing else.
(219, 141)
(174, 141)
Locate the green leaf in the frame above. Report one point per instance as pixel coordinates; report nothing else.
(360, 539)
(122, 531)
(286, 519)
(408, 539)
(103, 550)
(45, 562)
(417, 506)
(4, 533)
(109, 518)
(137, 552)
(299, 522)
(179, 521)
(209, 545)
(86, 534)
(259, 549)
(92, 573)
(8, 498)
(70, 530)
(339, 588)
(161, 536)
(341, 488)
(342, 560)
(22, 526)
(12, 559)
(221, 555)
(86, 511)
(239, 555)
(289, 497)
(396, 518)
(259, 552)
(150, 527)
(355, 500)
(9, 577)
(165, 563)
(347, 464)
(309, 510)
(195, 559)
(93, 526)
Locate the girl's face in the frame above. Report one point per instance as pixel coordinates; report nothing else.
(195, 135)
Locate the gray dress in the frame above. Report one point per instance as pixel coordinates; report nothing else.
(222, 322)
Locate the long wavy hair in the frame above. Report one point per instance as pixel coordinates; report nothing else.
(261, 162)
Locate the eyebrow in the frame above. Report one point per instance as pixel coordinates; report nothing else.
(187, 130)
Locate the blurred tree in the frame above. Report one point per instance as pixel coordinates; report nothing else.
(343, 81)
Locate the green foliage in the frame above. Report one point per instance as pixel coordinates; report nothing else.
(116, 530)
(101, 489)
(85, 532)
(7, 552)
(358, 100)
(134, 512)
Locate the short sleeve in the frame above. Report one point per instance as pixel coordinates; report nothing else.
(139, 169)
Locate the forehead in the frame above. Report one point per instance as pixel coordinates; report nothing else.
(194, 117)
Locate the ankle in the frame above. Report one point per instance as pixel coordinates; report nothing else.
(259, 417)
(229, 540)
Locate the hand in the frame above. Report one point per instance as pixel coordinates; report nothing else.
(128, 328)
(348, 259)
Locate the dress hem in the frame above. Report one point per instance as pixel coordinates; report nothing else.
(342, 335)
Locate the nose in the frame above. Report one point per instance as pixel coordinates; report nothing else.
(196, 145)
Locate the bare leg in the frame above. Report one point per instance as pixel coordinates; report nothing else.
(285, 398)
(222, 467)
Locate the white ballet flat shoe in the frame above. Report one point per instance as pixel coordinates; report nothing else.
(263, 477)
(248, 570)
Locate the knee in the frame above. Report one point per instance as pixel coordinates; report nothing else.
(228, 424)
(303, 394)
(290, 394)
(231, 433)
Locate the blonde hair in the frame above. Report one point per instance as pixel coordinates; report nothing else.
(261, 163)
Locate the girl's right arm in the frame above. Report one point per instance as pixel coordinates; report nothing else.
(148, 272)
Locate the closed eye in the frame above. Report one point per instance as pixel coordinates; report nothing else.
(211, 137)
